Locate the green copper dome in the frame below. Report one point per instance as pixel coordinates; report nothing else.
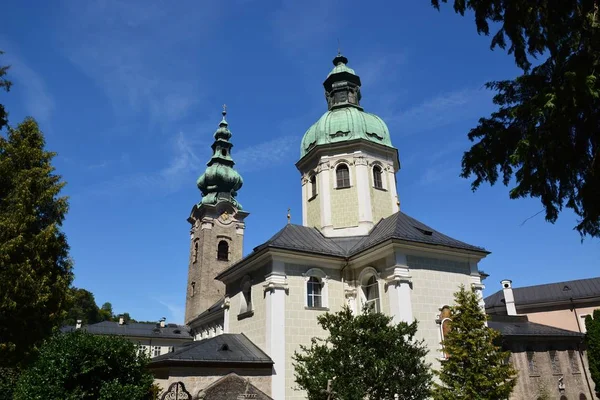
(346, 120)
(220, 182)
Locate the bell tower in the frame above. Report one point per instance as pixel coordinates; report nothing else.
(347, 162)
(217, 226)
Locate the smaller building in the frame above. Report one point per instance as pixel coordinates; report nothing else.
(224, 367)
(543, 326)
(550, 361)
(154, 339)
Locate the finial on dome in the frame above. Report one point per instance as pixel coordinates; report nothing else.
(224, 113)
(339, 59)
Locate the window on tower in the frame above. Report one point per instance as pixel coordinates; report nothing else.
(377, 181)
(195, 252)
(313, 186)
(342, 174)
(223, 251)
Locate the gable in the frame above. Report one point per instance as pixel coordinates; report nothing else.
(232, 387)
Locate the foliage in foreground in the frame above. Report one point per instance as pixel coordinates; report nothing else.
(545, 132)
(80, 365)
(366, 357)
(475, 367)
(592, 340)
(35, 269)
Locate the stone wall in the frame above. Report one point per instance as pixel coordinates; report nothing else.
(434, 282)
(543, 378)
(252, 326)
(301, 323)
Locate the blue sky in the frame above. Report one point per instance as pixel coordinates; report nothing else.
(129, 94)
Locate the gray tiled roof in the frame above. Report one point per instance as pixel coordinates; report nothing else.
(298, 237)
(401, 226)
(551, 292)
(225, 348)
(136, 329)
(520, 327)
(397, 226)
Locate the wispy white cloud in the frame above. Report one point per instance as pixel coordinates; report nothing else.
(39, 102)
(176, 310)
(441, 110)
(128, 49)
(266, 154)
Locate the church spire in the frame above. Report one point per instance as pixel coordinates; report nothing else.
(342, 86)
(220, 182)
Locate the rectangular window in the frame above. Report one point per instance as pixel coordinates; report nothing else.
(531, 365)
(342, 175)
(313, 289)
(554, 361)
(573, 360)
(155, 351)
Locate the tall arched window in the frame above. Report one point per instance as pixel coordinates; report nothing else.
(314, 292)
(223, 251)
(195, 251)
(377, 178)
(342, 174)
(313, 186)
(370, 288)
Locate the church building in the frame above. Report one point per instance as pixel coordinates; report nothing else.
(355, 247)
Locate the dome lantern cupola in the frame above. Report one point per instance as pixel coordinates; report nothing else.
(345, 119)
(220, 182)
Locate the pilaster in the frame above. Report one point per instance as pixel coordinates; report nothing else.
(365, 211)
(324, 176)
(391, 180)
(304, 201)
(275, 289)
(351, 293)
(399, 285)
(226, 307)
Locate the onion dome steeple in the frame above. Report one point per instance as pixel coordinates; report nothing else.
(220, 182)
(345, 119)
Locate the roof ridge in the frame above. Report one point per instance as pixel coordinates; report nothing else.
(366, 237)
(556, 283)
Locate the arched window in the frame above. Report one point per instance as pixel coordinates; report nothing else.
(370, 288)
(195, 251)
(377, 181)
(314, 293)
(223, 251)
(582, 397)
(342, 174)
(313, 186)
(193, 289)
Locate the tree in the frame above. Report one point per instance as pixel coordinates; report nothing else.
(79, 365)
(4, 85)
(546, 131)
(35, 269)
(83, 307)
(364, 357)
(106, 311)
(475, 367)
(592, 340)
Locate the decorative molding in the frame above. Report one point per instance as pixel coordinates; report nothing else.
(399, 276)
(360, 161)
(226, 303)
(275, 282)
(323, 166)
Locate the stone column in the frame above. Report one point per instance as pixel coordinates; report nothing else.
(363, 188)
(304, 181)
(226, 304)
(399, 290)
(391, 176)
(275, 293)
(350, 292)
(324, 172)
